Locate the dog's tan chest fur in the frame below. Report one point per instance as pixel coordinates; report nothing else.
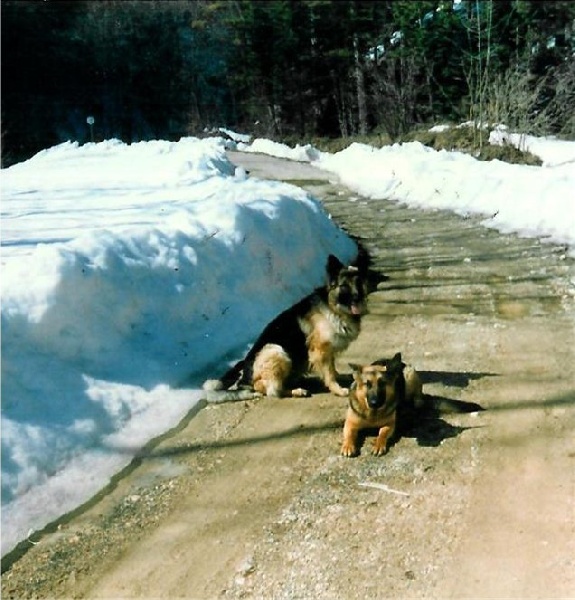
(328, 327)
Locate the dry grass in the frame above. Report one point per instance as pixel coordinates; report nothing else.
(466, 139)
(462, 139)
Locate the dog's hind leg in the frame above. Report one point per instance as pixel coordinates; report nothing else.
(272, 367)
(413, 387)
(270, 388)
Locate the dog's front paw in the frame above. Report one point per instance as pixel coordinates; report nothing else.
(300, 393)
(348, 449)
(338, 390)
(379, 449)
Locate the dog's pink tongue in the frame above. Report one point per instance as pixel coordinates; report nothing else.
(355, 309)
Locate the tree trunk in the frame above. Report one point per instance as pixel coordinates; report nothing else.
(360, 90)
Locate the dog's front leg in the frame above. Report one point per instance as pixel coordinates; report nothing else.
(322, 361)
(380, 444)
(330, 380)
(349, 445)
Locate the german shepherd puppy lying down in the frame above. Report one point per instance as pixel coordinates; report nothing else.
(386, 395)
(306, 337)
(374, 396)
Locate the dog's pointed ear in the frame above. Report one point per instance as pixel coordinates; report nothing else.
(334, 266)
(396, 363)
(362, 261)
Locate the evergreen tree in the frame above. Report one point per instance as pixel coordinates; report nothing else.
(166, 68)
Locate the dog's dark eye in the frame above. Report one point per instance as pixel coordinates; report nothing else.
(368, 383)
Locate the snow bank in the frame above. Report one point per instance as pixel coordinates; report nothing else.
(531, 201)
(129, 272)
(305, 153)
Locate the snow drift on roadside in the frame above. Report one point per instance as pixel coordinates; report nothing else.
(299, 153)
(128, 272)
(531, 201)
(550, 150)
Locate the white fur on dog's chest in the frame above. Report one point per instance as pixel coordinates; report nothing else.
(331, 328)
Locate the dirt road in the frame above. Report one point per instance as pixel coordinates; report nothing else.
(252, 500)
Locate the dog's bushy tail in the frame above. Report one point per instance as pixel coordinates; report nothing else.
(216, 394)
(442, 405)
(232, 387)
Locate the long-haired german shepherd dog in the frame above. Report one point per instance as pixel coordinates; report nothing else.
(388, 395)
(307, 336)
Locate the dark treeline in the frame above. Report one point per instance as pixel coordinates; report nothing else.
(283, 69)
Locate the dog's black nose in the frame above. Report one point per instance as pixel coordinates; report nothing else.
(374, 400)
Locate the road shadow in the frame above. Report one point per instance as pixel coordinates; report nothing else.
(427, 424)
(293, 432)
(460, 379)
(559, 401)
(428, 433)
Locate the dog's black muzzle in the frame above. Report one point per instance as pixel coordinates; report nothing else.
(375, 399)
